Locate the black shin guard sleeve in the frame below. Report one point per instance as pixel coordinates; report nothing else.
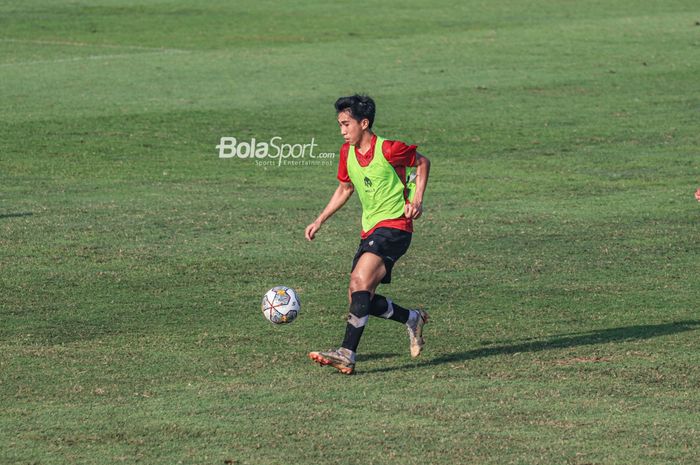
(385, 308)
(357, 319)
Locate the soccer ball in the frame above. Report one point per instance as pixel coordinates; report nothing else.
(280, 305)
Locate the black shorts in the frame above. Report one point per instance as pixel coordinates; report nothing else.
(389, 243)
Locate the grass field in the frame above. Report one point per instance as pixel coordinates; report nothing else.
(558, 255)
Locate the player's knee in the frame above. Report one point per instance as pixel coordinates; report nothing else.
(358, 283)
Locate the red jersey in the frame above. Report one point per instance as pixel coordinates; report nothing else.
(399, 155)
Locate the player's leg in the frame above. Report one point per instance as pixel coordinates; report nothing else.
(414, 320)
(392, 245)
(383, 307)
(366, 275)
(370, 271)
(364, 280)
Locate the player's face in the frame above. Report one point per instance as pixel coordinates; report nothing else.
(350, 128)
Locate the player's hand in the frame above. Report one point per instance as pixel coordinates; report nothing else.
(413, 210)
(697, 195)
(310, 231)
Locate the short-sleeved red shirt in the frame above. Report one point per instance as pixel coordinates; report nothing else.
(399, 155)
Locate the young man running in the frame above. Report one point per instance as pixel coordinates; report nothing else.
(378, 170)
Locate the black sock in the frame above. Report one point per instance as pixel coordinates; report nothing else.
(357, 319)
(385, 308)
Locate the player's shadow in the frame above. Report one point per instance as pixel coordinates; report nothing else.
(559, 341)
(14, 215)
(366, 357)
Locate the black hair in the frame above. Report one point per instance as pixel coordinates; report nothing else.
(359, 106)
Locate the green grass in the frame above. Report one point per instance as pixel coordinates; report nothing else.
(558, 255)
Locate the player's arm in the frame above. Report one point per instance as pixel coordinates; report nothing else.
(415, 208)
(340, 196)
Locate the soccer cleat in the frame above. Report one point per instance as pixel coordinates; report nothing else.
(334, 358)
(415, 332)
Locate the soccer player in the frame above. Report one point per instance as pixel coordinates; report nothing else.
(379, 171)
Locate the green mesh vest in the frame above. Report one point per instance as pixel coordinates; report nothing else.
(380, 190)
